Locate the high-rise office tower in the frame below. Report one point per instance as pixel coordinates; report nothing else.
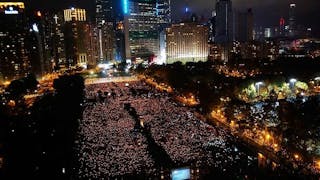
(45, 23)
(164, 15)
(243, 28)
(212, 27)
(141, 29)
(105, 21)
(58, 40)
(91, 45)
(104, 11)
(39, 43)
(14, 61)
(51, 27)
(292, 20)
(77, 35)
(224, 21)
(164, 12)
(187, 42)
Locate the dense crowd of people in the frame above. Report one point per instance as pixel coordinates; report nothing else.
(110, 145)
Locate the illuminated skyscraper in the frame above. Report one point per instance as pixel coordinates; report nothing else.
(14, 61)
(104, 11)
(38, 43)
(164, 12)
(292, 20)
(141, 28)
(54, 38)
(77, 37)
(187, 42)
(74, 14)
(164, 15)
(105, 21)
(224, 21)
(58, 40)
(212, 27)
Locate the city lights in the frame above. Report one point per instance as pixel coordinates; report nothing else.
(159, 89)
(268, 137)
(35, 28)
(4, 5)
(39, 14)
(11, 11)
(258, 85)
(293, 81)
(125, 6)
(317, 163)
(186, 42)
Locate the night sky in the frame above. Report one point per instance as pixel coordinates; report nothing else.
(267, 12)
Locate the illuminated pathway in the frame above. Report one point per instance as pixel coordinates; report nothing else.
(111, 79)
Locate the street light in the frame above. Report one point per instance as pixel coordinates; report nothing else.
(292, 83)
(268, 137)
(293, 80)
(318, 164)
(296, 156)
(258, 84)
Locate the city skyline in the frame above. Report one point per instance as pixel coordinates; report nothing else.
(159, 89)
(136, 29)
(306, 12)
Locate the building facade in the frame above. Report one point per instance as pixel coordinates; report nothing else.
(38, 43)
(58, 41)
(105, 32)
(74, 14)
(224, 22)
(141, 29)
(292, 20)
(104, 11)
(243, 28)
(187, 42)
(14, 60)
(164, 13)
(77, 37)
(212, 27)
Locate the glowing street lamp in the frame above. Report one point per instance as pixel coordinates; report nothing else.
(318, 164)
(293, 81)
(268, 137)
(258, 84)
